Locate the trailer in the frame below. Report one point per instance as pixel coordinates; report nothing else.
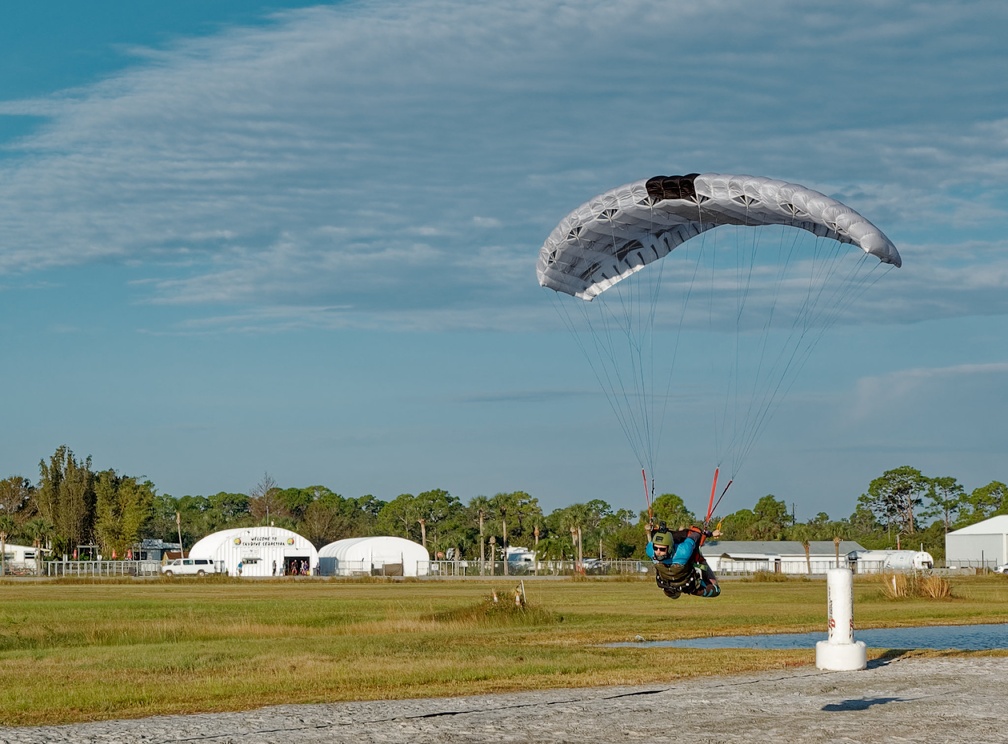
(883, 561)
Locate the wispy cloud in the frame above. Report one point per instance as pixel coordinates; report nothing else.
(402, 162)
(876, 394)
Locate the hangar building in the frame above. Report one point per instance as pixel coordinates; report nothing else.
(980, 545)
(261, 551)
(379, 555)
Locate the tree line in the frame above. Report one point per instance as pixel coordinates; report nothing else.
(71, 504)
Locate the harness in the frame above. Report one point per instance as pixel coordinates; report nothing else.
(676, 577)
(680, 578)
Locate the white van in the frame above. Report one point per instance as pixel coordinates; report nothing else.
(189, 567)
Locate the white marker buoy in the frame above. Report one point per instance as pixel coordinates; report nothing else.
(840, 653)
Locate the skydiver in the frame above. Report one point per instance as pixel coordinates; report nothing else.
(679, 565)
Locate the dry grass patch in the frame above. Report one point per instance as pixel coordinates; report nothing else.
(499, 608)
(914, 585)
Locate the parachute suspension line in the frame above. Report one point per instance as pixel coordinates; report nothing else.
(657, 420)
(615, 385)
(601, 375)
(838, 299)
(745, 434)
(648, 498)
(792, 355)
(725, 415)
(633, 386)
(624, 339)
(843, 295)
(616, 310)
(706, 256)
(687, 293)
(745, 423)
(746, 250)
(712, 510)
(828, 294)
(643, 340)
(635, 330)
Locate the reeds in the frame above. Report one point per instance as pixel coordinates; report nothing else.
(914, 585)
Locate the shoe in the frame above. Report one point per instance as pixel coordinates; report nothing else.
(672, 593)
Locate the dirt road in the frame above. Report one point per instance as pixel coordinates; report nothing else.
(933, 700)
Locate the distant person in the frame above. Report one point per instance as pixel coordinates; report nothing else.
(680, 568)
(239, 568)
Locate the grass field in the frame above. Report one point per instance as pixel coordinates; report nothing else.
(78, 651)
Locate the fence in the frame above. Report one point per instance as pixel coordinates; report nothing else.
(588, 567)
(102, 568)
(464, 569)
(817, 565)
(978, 566)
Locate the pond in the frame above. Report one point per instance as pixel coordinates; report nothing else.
(961, 637)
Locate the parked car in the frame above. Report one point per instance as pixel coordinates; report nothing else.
(189, 567)
(1002, 569)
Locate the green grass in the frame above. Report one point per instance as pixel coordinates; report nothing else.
(77, 651)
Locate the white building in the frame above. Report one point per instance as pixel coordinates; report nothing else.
(982, 544)
(19, 558)
(777, 556)
(259, 551)
(378, 555)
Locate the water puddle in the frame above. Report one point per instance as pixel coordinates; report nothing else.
(945, 637)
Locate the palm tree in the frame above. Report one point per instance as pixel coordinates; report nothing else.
(39, 530)
(480, 505)
(574, 518)
(535, 549)
(504, 503)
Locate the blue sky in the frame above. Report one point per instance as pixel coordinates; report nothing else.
(249, 237)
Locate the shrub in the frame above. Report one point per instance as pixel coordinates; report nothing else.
(914, 585)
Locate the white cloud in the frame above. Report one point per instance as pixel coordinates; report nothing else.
(377, 156)
(879, 396)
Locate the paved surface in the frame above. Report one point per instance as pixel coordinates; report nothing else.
(905, 700)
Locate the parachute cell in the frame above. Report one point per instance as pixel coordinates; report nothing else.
(621, 231)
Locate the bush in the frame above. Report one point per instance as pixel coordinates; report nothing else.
(503, 607)
(914, 585)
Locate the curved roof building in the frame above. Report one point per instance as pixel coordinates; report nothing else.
(378, 555)
(259, 551)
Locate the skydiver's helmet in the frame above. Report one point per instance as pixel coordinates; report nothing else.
(661, 541)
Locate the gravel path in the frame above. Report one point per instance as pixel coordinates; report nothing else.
(931, 700)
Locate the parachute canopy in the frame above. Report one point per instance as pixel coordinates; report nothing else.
(621, 231)
(713, 336)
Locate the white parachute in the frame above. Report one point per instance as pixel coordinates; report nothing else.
(775, 291)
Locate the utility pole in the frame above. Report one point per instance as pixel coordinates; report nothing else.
(178, 523)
